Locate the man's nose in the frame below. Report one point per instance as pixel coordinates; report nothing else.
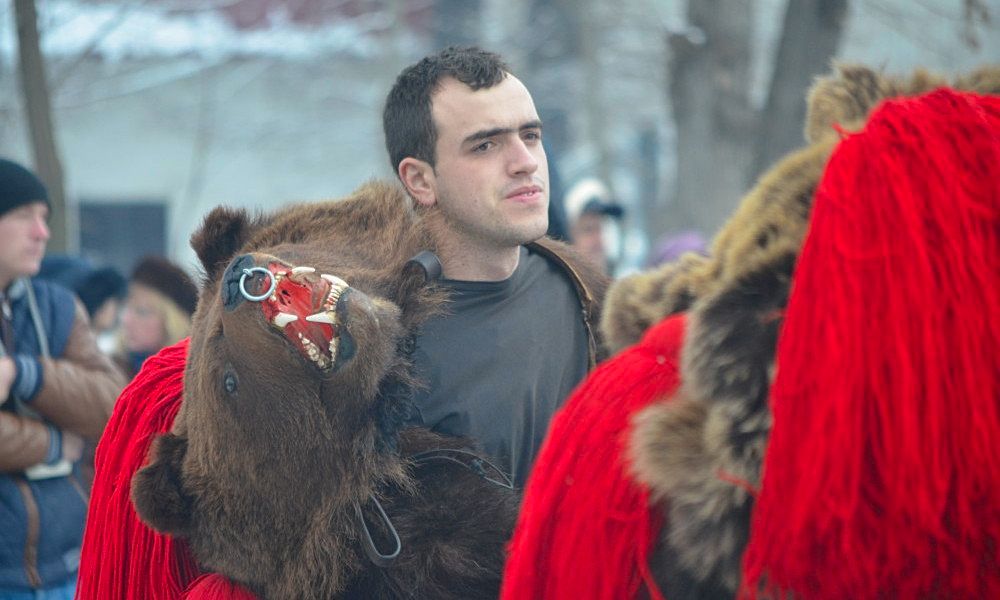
(41, 229)
(522, 159)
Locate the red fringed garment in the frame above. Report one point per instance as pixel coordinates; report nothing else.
(122, 558)
(586, 529)
(882, 477)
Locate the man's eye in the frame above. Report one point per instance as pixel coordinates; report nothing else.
(483, 147)
(533, 135)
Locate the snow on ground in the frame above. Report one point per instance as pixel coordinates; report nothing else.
(134, 29)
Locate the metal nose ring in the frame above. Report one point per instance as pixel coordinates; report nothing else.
(249, 273)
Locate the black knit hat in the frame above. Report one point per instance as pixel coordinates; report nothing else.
(168, 279)
(19, 186)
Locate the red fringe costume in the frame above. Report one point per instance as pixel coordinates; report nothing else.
(122, 558)
(882, 477)
(882, 474)
(579, 495)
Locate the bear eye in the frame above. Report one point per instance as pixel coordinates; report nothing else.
(229, 382)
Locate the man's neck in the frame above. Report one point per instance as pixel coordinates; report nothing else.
(472, 264)
(465, 260)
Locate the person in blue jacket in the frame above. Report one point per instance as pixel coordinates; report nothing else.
(57, 390)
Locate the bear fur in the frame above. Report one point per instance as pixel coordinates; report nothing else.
(771, 219)
(280, 444)
(719, 421)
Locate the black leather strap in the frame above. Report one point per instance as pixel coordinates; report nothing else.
(379, 559)
(427, 262)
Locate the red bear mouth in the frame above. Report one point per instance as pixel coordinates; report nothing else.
(303, 306)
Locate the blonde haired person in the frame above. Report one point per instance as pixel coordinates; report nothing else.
(161, 299)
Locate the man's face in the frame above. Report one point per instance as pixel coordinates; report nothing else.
(491, 177)
(23, 235)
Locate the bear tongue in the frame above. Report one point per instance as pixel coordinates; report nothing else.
(294, 300)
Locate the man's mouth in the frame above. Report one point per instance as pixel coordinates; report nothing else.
(525, 194)
(303, 307)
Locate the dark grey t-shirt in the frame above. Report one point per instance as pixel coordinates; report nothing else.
(504, 358)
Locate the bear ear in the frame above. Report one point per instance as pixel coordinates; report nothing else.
(843, 99)
(157, 490)
(221, 235)
(984, 80)
(849, 95)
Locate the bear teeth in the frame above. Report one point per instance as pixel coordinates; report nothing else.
(296, 273)
(282, 319)
(334, 280)
(337, 287)
(315, 354)
(328, 317)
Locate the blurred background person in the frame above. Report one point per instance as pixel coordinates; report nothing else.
(102, 291)
(57, 390)
(161, 299)
(594, 223)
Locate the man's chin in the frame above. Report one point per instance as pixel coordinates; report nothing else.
(533, 231)
(29, 268)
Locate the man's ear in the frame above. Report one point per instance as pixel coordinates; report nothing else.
(158, 491)
(418, 177)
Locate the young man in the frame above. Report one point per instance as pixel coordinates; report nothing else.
(56, 390)
(465, 139)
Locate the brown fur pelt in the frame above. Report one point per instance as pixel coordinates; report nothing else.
(275, 449)
(700, 452)
(771, 213)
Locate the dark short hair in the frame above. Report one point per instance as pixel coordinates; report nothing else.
(407, 120)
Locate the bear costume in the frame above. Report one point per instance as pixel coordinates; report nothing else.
(286, 472)
(800, 416)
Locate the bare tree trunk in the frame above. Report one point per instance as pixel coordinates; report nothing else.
(36, 100)
(593, 77)
(550, 39)
(809, 41)
(201, 150)
(709, 94)
(552, 65)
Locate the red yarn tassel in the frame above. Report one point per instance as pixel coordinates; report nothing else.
(122, 558)
(586, 529)
(882, 478)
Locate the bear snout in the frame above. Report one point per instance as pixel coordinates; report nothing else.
(230, 287)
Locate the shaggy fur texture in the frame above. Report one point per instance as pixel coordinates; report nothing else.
(775, 212)
(701, 452)
(270, 454)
